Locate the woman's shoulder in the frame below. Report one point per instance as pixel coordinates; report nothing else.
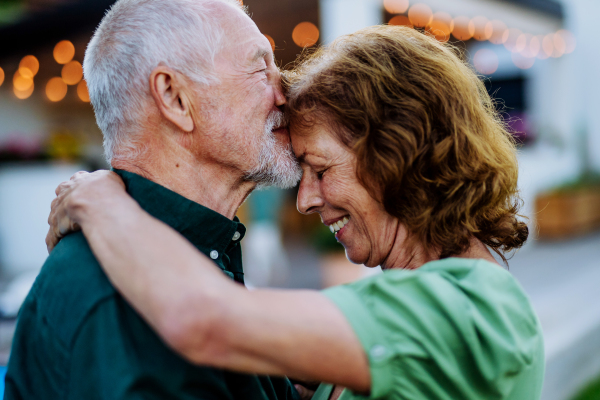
(459, 318)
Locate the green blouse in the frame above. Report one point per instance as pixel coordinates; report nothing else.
(452, 329)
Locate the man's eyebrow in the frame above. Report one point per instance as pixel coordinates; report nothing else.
(260, 53)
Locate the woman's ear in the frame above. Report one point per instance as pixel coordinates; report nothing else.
(172, 96)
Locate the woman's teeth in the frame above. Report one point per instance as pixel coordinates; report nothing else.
(336, 226)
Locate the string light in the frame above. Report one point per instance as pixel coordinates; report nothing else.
(1, 76)
(23, 94)
(82, 91)
(420, 15)
(305, 34)
(486, 61)
(29, 66)
(56, 89)
(441, 26)
(64, 52)
(482, 29)
(464, 29)
(22, 83)
(401, 20)
(497, 28)
(271, 41)
(72, 73)
(396, 6)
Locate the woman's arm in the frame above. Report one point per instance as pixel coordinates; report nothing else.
(199, 312)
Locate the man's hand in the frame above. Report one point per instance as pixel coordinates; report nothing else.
(82, 191)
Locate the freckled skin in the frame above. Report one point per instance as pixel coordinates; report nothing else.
(329, 186)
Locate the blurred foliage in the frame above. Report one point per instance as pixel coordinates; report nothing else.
(592, 392)
(325, 241)
(11, 10)
(586, 180)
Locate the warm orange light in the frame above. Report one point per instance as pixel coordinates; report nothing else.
(72, 73)
(482, 30)
(395, 6)
(23, 94)
(512, 40)
(82, 91)
(305, 34)
(270, 39)
(441, 26)
(420, 15)
(56, 89)
(1, 76)
(486, 61)
(29, 66)
(400, 20)
(569, 39)
(463, 28)
(22, 83)
(497, 29)
(521, 61)
(64, 52)
(548, 44)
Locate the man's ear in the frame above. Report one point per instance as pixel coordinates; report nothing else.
(172, 96)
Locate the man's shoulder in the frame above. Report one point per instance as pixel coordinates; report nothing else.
(70, 285)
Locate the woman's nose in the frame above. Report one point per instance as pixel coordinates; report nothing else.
(309, 195)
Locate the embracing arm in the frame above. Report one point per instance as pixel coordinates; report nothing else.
(200, 313)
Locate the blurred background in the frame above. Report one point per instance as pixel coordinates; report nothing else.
(539, 58)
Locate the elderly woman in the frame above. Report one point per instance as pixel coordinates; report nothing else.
(408, 164)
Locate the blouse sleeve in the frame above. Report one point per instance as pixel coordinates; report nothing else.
(453, 329)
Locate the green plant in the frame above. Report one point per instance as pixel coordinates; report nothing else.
(591, 392)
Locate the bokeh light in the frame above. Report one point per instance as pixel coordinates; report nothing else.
(29, 66)
(535, 45)
(512, 40)
(64, 52)
(420, 15)
(305, 34)
(569, 39)
(486, 61)
(24, 94)
(72, 73)
(463, 28)
(270, 39)
(497, 29)
(441, 26)
(548, 45)
(82, 91)
(401, 20)
(560, 47)
(56, 89)
(1, 76)
(22, 83)
(396, 6)
(524, 44)
(483, 31)
(521, 61)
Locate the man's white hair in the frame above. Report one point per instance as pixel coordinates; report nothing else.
(135, 37)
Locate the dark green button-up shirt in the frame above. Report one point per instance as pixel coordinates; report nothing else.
(78, 339)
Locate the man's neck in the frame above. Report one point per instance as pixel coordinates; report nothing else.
(218, 187)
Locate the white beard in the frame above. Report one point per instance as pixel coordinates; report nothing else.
(276, 164)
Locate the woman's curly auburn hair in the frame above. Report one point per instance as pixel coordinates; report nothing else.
(428, 140)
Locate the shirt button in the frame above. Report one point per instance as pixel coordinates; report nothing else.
(378, 352)
(214, 254)
(236, 236)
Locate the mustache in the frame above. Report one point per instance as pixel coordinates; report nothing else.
(277, 119)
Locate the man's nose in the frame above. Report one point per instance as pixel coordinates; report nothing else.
(309, 195)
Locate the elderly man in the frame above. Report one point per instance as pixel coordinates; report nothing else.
(187, 96)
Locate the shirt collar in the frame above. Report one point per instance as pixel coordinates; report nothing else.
(206, 229)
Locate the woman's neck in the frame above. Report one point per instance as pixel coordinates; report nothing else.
(409, 254)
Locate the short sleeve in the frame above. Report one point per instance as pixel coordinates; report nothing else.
(453, 329)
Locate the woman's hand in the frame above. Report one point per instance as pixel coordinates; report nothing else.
(83, 193)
